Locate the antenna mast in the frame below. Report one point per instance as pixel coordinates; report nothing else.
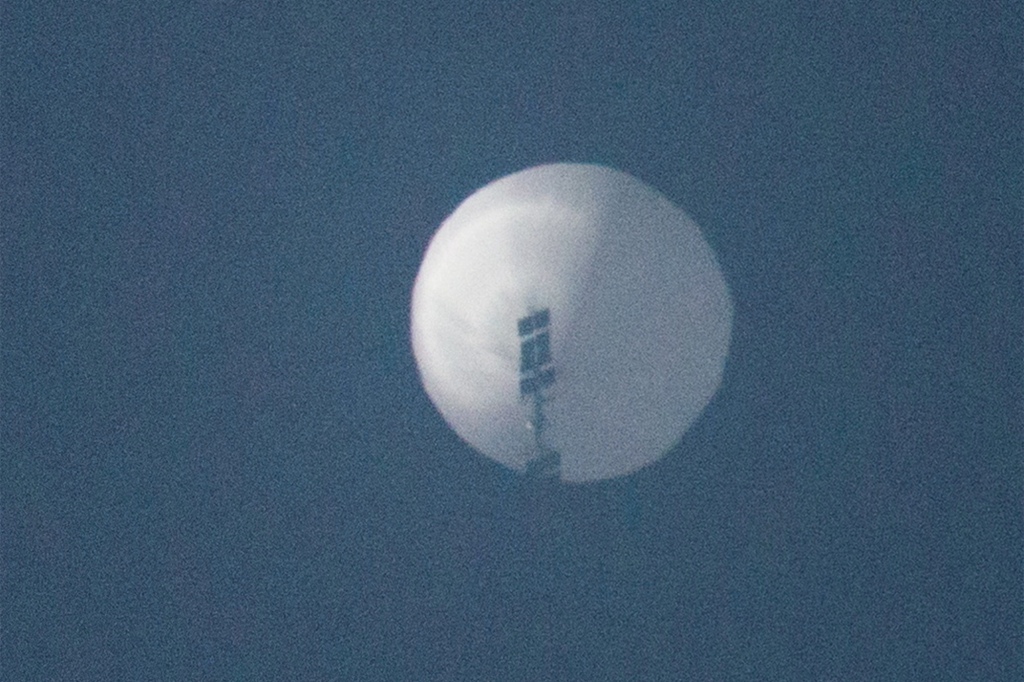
(536, 374)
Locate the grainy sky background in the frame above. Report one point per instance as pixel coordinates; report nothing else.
(217, 460)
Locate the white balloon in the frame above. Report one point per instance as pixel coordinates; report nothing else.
(640, 318)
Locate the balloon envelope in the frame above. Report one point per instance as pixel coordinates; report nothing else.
(640, 318)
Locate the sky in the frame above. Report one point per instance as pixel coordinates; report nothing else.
(216, 458)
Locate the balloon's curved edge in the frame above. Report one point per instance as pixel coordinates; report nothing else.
(519, 469)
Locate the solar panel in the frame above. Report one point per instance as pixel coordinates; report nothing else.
(535, 371)
(542, 348)
(534, 322)
(534, 352)
(535, 375)
(535, 383)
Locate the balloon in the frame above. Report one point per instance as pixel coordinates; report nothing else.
(570, 315)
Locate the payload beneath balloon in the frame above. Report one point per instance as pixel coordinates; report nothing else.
(570, 320)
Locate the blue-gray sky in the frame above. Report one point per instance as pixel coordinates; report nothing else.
(217, 460)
